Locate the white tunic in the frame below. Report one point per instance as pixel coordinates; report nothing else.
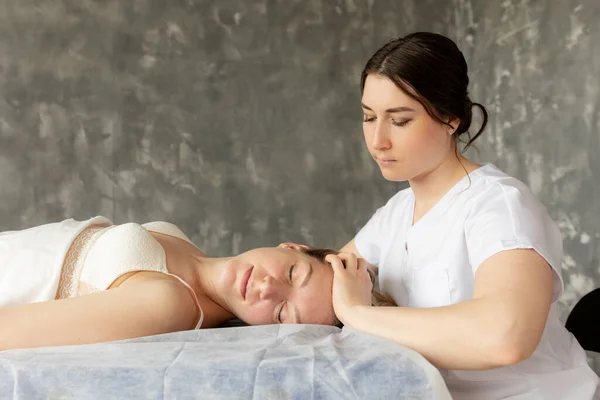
(433, 263)
(72, 258)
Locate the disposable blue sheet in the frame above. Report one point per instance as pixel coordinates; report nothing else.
(261, 363)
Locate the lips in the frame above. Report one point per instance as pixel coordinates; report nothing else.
(245, 281)
(384, 161)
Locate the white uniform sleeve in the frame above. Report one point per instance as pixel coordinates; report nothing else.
(510, 217)
(368, 241)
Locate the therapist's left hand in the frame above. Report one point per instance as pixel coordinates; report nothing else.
(352, 286)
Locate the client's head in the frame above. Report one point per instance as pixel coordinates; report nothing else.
(378, 299)
(288, 284)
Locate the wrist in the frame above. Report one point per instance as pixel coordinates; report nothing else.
(353, 315)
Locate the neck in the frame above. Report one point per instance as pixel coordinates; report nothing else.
(202, 273)
(206, 272)
(430, 187)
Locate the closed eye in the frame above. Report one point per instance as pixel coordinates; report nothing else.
(279, 313)
(366, 118)
(291, 276)
(401, 123)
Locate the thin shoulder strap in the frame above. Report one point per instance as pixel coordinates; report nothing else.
(167, 228)
(200, 312)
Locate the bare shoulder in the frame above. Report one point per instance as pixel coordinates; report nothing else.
(165, 296)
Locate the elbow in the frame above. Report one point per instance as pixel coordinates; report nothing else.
(510, 354)
(513, 349)
(512, 339)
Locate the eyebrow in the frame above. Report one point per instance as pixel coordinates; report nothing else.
(390, 110)
(304, 282)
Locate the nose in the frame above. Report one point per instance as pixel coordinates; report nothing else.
(270, 289)
(380, 139)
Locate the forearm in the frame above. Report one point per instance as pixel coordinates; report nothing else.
(471, 335)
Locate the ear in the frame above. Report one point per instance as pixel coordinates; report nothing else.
(454, 123)
(293, 246)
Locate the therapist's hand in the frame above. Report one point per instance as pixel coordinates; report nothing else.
(352, 286)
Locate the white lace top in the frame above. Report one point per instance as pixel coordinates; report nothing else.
(100, 254)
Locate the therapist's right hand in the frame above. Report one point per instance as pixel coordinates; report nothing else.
(352, 285)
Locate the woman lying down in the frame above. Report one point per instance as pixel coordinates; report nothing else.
(85, 282)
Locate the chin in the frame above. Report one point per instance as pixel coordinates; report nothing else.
(394, 176)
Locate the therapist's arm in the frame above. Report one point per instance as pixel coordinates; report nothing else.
(350, 247)
(500, 326)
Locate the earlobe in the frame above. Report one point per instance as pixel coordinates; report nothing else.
(293, 246)
(452, 125)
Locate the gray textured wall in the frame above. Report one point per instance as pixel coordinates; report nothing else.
(240, 120)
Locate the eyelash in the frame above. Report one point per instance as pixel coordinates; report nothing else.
(283, 305)
(400, 124)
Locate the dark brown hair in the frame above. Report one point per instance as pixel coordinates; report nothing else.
(432, 70)
(378, 299)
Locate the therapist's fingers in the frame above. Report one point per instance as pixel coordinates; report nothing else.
(363, 265)
(355, 266)
(348, 264)
(362, 270)
(350, 261)
(336, 263)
